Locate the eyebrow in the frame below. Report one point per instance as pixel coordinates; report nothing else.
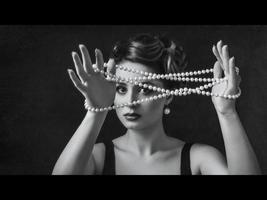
(145, 82)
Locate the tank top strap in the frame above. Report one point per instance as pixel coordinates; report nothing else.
(185, 159)
(109, 162)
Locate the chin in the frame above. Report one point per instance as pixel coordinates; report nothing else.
(136, 125)
(132, 124)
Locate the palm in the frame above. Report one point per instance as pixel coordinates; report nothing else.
(224, 67)
(98, 91)
(221, 103)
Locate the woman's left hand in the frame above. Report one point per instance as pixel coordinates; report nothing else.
(225, 65)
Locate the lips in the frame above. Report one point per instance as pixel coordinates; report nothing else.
(132, 116)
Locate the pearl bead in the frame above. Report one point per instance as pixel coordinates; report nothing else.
(165, 92)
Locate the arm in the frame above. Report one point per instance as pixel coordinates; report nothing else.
(78, 151)
(77, 157)
(241, 158)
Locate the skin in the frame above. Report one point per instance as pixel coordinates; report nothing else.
(145, 148)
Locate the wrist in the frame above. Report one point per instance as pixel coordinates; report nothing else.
(228, 113)
(97, 109)
(96, 115)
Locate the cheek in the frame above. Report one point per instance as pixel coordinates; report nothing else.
(154, 106)
(118, 99)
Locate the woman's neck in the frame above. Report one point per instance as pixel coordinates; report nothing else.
(146, 141)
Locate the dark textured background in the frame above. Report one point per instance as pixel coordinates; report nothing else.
(41, 109)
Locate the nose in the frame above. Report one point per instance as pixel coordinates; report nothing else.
(132, 96)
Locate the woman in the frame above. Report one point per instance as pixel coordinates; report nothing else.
(145, 148)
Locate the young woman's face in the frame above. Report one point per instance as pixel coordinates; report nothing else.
(150, 112)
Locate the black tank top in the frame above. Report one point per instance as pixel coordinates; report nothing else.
(109, 163)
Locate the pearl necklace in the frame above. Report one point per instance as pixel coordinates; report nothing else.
(165, 92)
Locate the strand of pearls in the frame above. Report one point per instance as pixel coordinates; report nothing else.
(164, 92)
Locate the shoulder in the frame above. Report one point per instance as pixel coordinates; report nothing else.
(207, 159)
(99, 152)
(200, 149)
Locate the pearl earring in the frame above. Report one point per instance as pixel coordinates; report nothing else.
(167, 111)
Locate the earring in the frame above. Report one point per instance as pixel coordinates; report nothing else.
(167, 111)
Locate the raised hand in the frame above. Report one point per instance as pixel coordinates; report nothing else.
(98, 91)
(225, 66)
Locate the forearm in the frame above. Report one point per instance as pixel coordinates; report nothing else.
(241, 158)
(79, 149)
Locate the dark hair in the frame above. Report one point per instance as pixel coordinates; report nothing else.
(155, 51)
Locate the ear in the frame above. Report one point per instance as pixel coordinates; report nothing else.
(169, 99)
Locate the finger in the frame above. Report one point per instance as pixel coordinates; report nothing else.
(99, 59)
(87, 63)
(217, 70)
(219, 47)
(217, 55)
(79, 68)
(232, 81)
(77, 83)
(225, 59)
(111, 66)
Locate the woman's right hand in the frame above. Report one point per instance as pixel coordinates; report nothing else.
(98, 91)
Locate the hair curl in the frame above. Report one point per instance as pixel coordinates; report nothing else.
(160, 53)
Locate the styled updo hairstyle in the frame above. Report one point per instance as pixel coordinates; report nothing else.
(160, 53)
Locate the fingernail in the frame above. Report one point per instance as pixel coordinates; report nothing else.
(72, 53)
(69, 70)
(80, 45)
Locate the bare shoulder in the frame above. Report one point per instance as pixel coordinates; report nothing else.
(200, 152)
(206, 158)
(200, 148)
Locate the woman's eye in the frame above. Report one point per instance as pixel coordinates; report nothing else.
(145, 91)
(121, 90)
